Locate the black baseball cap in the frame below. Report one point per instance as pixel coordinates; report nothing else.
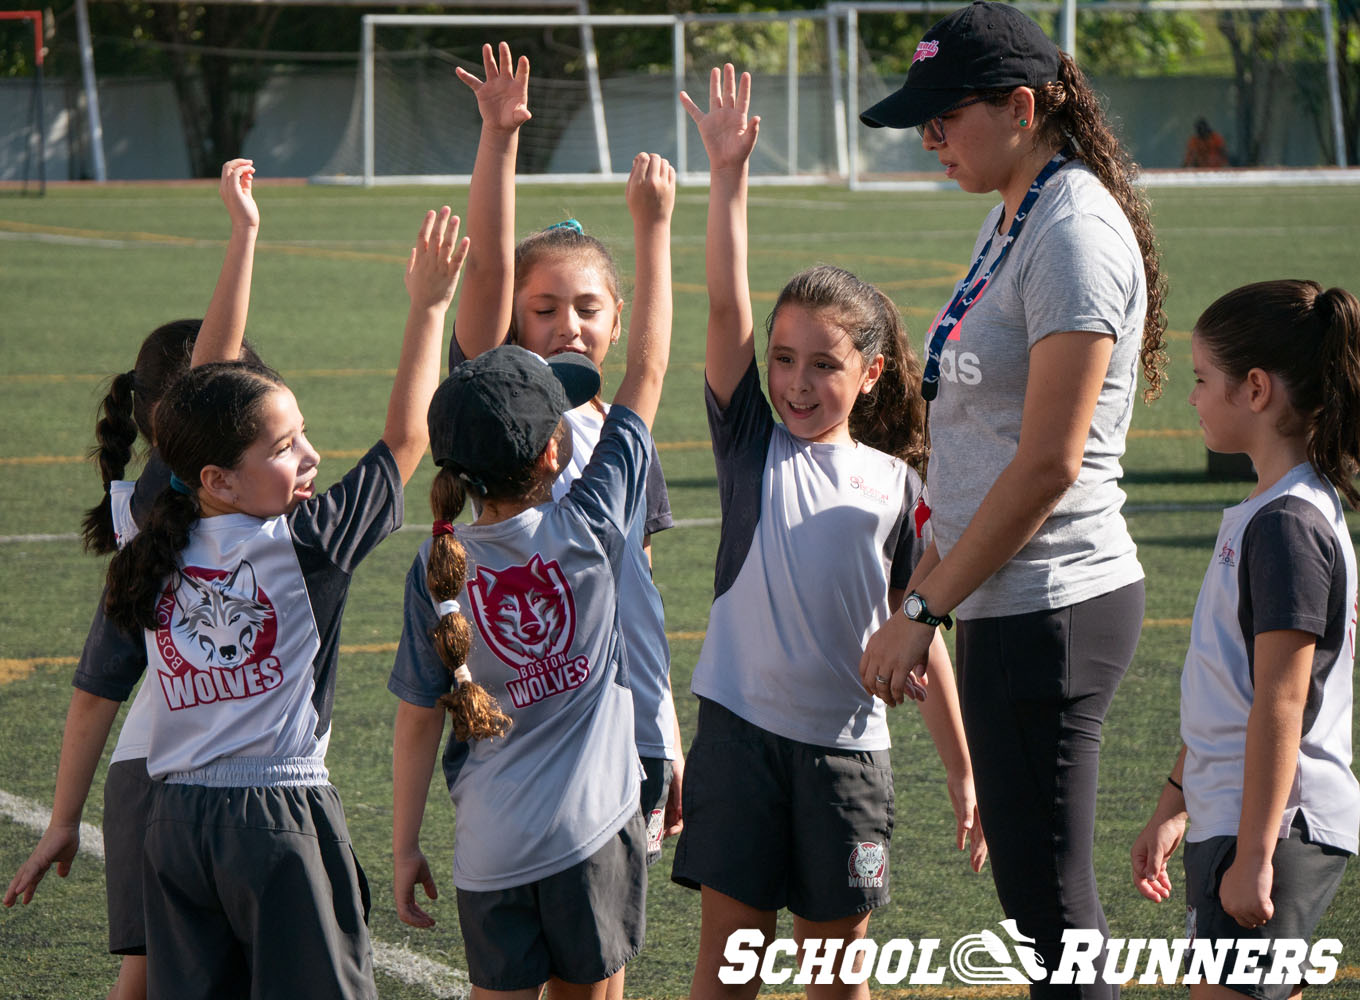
(979, 47)
(494, 414)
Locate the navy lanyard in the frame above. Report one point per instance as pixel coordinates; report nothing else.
(970, 292)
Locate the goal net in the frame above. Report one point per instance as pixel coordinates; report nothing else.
(601, 89)
(1254, 72)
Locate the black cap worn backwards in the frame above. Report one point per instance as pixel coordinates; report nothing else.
(979, 47)
(494, 414)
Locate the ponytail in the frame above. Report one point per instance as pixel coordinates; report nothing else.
(115, 434)
(476, 713)
(1310, 340)
(1072, 118)
(1334, 437)
(137, 572)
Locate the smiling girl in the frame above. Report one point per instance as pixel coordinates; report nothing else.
(237, 582)
(788, 795)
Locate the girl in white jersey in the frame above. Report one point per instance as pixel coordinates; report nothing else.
(1263, 776)
(110, 664)
(519, 614)
(788, 796)
(557, 291)
(238, 579)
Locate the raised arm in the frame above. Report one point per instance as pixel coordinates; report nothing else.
(224, 324)
(651, 200)
(484, 309)
(729, 137)
(431, 277)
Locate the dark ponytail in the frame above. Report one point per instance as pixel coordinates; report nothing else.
(891, 417)
(1310, 340)
(1072, 118)
(210, 416)
(128, 410)
(476, 713)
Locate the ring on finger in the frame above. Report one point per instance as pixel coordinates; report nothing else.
(881, 679)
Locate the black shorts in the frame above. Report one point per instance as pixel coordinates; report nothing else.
(776, 823)
(254, 891)
(581, 925)
(656, 787)
(1307, 876)
(127, 795)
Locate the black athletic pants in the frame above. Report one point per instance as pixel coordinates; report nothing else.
(1034, 689)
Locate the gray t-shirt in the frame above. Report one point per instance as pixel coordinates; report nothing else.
(1075, 266)
(542, 596)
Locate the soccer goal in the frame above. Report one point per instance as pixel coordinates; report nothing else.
(1262, 74)
(602, 88)
(29, 145)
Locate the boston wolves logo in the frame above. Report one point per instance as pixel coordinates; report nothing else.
(215, 635)
(868, 863)
(527, 616)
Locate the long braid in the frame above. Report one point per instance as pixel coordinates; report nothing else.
(475, 712)
(115, 433)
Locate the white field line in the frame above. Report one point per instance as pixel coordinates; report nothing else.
(437, 979)
(684, 522)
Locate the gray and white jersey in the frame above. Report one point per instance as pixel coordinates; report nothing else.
(813, 537)
(542, 595)
(1075, 266)
(1282, 560)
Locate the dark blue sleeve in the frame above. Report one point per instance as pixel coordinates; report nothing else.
(741, 441)
(154, 479)
(658, 512)
(418, 676)
(1287, 572)
(349, 520)
(112, 661)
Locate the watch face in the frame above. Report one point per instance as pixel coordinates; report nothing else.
(913, 606)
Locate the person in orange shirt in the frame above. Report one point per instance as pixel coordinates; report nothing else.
(1206, 148)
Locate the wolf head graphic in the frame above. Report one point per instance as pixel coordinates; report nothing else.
(525, 613)
(221, 618)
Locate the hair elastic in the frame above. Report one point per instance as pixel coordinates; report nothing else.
(180, 486)
(571, 224)
(442, 528)
(462, 675)
(448, 608)
(1174, 783)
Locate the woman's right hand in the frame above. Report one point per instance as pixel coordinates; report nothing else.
(1151, 851)
(58, 846)
(729, 135)
(503, 97)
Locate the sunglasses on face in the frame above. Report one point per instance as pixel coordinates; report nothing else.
(933, 128)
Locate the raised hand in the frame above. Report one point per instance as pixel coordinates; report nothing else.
(650, 192)
(728, 134)
(237, 191)
(503, 97)
(436, 261)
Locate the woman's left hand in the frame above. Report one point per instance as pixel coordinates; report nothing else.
(893, 666)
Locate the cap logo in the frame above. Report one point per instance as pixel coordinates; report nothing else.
(926, 50)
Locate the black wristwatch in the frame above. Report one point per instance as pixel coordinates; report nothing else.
(914, 607)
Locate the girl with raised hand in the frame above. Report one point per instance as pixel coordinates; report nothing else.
(513, 625)
(557, 291)
(1263, 774)
(788, 797)
(1032, 368)
(112, 661)
(237, 582)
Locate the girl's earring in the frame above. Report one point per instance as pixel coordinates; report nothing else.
(1024, 123)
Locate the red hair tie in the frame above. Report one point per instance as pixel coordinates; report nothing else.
(442, 528)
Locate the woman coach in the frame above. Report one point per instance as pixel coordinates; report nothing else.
(1033, 367)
